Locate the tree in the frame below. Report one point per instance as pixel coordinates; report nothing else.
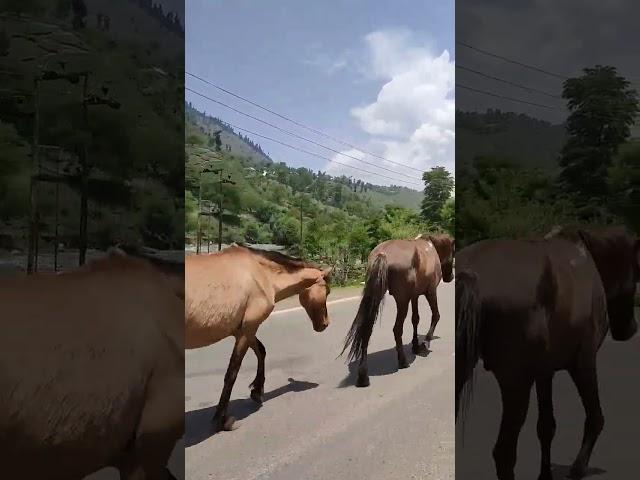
(448, 216)
(603, 108)
(438, 185)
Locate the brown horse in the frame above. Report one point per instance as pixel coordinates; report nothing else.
(92, 370)
(532, 308)
(407, 269)
(232, 292)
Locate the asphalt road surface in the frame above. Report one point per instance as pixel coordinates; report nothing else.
(616, 454)
(315, 424)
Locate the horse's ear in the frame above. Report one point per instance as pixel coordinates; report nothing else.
(326, 273)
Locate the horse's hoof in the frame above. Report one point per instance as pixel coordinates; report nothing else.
(577, 472)
(225, 424)
(362, 382)
(545, 476)
(421, 349)
(403, 364)
(257, 396)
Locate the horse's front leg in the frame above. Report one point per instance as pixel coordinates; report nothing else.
(584, 376)
(515, 403)
(220, 420)
(257, 386)
(432, 298)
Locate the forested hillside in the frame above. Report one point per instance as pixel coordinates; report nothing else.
(342, 218)
(132, 54)
(519, 176)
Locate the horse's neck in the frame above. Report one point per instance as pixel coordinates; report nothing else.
(288, 284)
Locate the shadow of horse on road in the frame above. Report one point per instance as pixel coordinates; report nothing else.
(198, 423)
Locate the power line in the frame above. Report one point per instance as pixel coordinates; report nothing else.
(508, 82)
(293, 134)
(299, 124)
(525, 65)
(515, 62)
(319, 156)
(504, 97)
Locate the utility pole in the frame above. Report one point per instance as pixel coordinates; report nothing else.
(222, 181)
(56, 232)
(300, 225)
(84, 178)
(199, 232)
(85, 166)
(33, 186)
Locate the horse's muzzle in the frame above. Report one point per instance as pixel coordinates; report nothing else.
(321, 328)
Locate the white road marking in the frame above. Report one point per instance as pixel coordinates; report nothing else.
(295, 309)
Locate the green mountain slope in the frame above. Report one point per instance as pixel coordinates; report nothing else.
(521, 139)
(136, 151)
(341, 218)
(253, 156)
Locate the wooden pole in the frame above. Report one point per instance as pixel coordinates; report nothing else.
(33, 186)
(199, 231)
(84, 179)
(220, 215)
(56, 236)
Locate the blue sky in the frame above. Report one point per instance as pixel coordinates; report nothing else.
(373, 73)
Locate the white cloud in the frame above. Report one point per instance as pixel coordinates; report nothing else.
(326, 64)
(412, 120)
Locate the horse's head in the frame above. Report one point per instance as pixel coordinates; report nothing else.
(445, 246)
(314, 300)
(616, 254)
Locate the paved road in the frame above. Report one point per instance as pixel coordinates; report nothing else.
(315, 424)
(616, 453)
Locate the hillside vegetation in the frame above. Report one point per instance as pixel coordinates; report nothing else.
(342, 218)
(135, 146)
(510, 175)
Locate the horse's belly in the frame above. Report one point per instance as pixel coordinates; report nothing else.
(201, 331)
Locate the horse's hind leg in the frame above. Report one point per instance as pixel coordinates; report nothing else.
(546, 424)
(585, 378)
(257, 386)
(403, 308)
(515, 403)
(220, 419)
(432, 298)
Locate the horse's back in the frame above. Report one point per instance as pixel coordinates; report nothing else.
(412, 264)
(537, 299)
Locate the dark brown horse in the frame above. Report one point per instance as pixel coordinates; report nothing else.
(531, 308)
(407, 269)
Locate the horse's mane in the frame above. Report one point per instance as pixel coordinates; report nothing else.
(289, 263)
(164, 265)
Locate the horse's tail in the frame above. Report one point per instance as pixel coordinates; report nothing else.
(372, 299)
(468, 337)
